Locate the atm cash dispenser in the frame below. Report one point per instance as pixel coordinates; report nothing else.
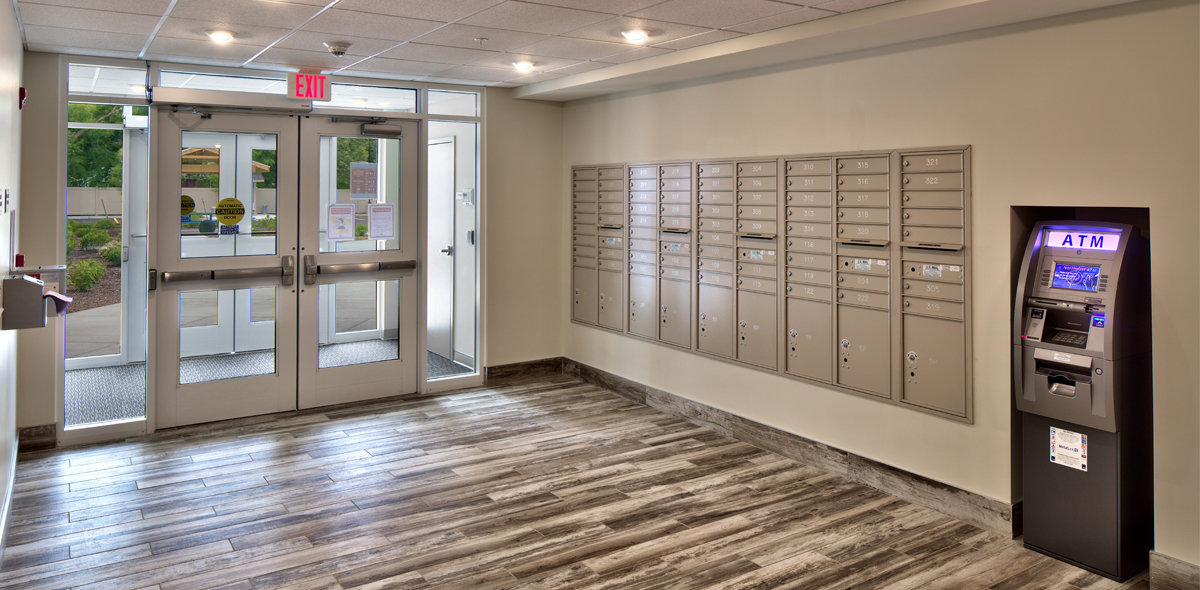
(1081, 356)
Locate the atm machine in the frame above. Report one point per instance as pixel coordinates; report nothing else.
(1082, 375)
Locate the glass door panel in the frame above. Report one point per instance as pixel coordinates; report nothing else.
(107, 220)
(358, 294)
(226, 299)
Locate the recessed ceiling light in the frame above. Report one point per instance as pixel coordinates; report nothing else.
(523, 66)
(635, 35)
(137, 88)
(221, 37)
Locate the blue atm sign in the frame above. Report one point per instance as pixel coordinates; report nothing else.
(1083, 240)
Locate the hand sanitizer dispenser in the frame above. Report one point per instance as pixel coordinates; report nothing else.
(23, 299)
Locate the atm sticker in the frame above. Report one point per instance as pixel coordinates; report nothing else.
(1068, 449)
(862, 264)
(931, 270)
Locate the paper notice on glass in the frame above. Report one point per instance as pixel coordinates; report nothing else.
(381, 221)
(363, 180)
(341, 222)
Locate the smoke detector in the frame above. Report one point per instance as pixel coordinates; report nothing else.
(337, 48)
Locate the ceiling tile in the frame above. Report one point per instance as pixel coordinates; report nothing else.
(57, 40)
(579, 68)
(457, 81)
(168, 48)
(440, 10)
(802, 15)
(635, 54)
(303, 60)
(186, 28)
(465, 35)
(581, 49)
(312, 41)
(151, 7)
(242, 15)
(438, 54)
(364, 24)
(88, 20)
(609, 6)
(534, 18)
(478, 74)
(411, 69)
(712, 13)
(505, 61)
(701, 39)
(849, 5)
(660, 32)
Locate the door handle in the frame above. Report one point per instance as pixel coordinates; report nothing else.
(448, 250)
(310, 269)
(288, 271)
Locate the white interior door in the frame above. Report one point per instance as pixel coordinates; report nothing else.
(439, 317)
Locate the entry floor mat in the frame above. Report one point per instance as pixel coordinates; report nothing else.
(438, 366)
(104, 394)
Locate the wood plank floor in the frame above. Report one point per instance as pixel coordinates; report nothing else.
(551, 484)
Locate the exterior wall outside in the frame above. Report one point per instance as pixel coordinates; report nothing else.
(1094, 109)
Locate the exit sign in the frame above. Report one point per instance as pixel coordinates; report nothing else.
(302, 86)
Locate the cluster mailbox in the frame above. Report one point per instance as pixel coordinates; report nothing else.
(848, 270)
(1081, 358)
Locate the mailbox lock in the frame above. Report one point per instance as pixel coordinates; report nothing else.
(841, 198)
(702, 317)
(911, 356)
(905, 181)
(906, 198)
(845, 343)
(841, 295)
(904, 162)
(742, 324)
(906, 286)
(793, 333)
(841, 279)
(1099, 371)
(907, 303)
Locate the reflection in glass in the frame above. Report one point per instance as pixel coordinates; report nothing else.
(225, 334)
(227, 194)
(358, 323)
(453, 102)
(359, 196)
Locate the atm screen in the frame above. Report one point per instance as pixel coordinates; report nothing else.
(1078, 277)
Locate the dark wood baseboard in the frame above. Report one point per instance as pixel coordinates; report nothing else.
(37, 438)
(974, 508)
(1168, 573)
(518, 372)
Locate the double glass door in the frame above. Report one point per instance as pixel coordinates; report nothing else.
(286, 278)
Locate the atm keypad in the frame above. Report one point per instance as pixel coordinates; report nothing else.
(1076, 339)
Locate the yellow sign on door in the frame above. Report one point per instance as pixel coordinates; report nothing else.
(186, 205)
(229, 211)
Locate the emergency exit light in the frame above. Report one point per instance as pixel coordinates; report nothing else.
(315, 87)
(1083, 240)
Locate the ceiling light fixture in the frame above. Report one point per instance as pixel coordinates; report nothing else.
(221, 37)
(635, 35)
(523, 66)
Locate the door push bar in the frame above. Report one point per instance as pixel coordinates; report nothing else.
(312, 269)
(286, 271)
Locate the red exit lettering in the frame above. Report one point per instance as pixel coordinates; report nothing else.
(308, 86)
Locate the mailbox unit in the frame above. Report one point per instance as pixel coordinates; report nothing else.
(849, 270)
(598, 246)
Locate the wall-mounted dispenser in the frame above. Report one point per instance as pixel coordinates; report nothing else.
(23, 302)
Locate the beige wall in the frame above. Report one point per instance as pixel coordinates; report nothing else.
(523, 240)
(43, 172)
(10, 179)
(1098, 109)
